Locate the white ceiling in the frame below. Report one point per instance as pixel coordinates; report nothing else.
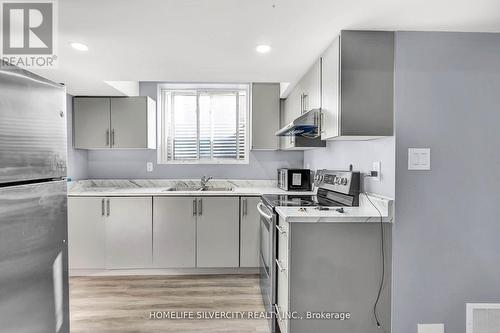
(214, 40)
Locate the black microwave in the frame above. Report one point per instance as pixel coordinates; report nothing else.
(294, 179)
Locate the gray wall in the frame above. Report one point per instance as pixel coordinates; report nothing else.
(132, 163)
(77, 159)
(446, 248)
(361, 154)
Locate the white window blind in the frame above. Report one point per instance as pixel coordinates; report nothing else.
(204, 125)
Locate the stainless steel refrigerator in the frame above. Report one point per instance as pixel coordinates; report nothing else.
(33, 213)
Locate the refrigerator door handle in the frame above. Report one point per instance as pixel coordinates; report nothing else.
(108, 211)
(102, 207)
(107, 137)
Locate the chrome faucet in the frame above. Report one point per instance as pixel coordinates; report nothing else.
(204, 181)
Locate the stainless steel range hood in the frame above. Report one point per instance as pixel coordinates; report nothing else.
(307, 125)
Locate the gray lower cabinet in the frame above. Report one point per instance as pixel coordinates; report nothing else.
(128, 232)
(265, 116)
(174, 232)
(114, 122)
(86, 233)
(217, 232)
(109, 233)
(332, 267)
(249, 232)
(161, 232)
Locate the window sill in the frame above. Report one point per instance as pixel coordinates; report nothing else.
(198, 162)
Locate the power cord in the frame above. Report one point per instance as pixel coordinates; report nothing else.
(382, 278)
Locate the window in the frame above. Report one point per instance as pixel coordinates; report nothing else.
(204, 124)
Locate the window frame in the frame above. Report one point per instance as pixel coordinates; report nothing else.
(164, 124)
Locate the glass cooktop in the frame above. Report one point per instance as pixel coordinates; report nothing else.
(276, 200)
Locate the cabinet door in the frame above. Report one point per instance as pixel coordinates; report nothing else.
(129, 232)
(367, 83)
(330, 91)
(91, 117)
(218, 232)
(265, 115)
(310, 85)
(129, 122)
(249, 232)
(292, 107)
(174, 232)
(86, 233)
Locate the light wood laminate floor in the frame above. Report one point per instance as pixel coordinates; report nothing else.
(124, 303)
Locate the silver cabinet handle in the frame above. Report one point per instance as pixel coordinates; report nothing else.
(246, 206)
(280, 230)
(102, 207)
(194, 207)
(112, 137)
(108, 211)
(259, 208)
(321, 120)
(278, 263)
(200, 208)
(107, 137)
(278, 314)
(304, 103)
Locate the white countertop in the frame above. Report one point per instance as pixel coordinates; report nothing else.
(100, 188)
(366, 212)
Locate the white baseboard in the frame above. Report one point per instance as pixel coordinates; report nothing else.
(162, 271)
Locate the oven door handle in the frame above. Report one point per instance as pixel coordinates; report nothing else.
(261, 212)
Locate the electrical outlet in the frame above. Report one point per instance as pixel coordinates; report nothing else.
(376, 167)
(149, 166)
(430, 328)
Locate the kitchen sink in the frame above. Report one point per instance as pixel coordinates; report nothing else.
(218, 189)
(198, 189)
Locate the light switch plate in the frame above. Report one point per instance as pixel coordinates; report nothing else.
(419, 158)
(149, 166)
(430, 328)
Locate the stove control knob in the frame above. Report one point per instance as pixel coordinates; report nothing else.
(338, 180)
(344, 181)
(318, 178)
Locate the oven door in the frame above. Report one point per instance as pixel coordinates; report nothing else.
(267, 254)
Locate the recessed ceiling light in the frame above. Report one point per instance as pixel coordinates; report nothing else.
(79, 46)
(263, 48)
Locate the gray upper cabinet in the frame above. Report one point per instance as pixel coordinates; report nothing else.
(305, 96)
(132, 122)
(310, 88)
(114, 122)
(358, 86)
(91, 117)
(265, 115)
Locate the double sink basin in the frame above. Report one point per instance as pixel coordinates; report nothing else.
(198, 189)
